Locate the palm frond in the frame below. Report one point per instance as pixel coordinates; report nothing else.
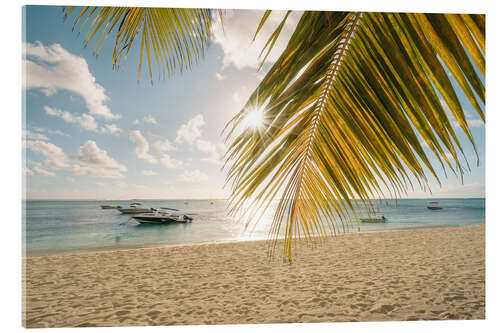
(175, 37)
(346, 106)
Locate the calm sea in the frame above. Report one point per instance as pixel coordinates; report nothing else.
(62, 226)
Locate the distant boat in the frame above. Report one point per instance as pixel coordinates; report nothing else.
(162, 216)
(373, 219)
(110, 206)
(134, 208)
(434, 205)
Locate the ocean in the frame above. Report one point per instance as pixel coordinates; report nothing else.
(66, 226)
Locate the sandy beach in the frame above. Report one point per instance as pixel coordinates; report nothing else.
(417, 274)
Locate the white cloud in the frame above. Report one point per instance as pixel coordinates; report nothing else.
(141, 147)
(44, 172)
(90, 153)
(142, 150)
(239, 29)
(55, 157)
(170, 163)
(149, 119)
(86, 121)
(91, 160)
(204, 146)
(219, 76)
(58, 132)
(96, 162)
(49, 131)
(29, 135)
(163, 145)
(215, 151)
(52, 68)
(241, 95)
(149, 173)
(111, 129)
(190, 131)
(31, 161)
(194, 176)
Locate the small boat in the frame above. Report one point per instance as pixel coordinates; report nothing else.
(134, 208)
(373, 219)
(434, 205)
(162, 216)
(110, 206)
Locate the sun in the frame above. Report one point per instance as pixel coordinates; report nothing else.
(255, 118)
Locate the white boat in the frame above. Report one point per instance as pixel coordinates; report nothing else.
(373, 219)
(134, 208)
(434, 205)
(162, 216)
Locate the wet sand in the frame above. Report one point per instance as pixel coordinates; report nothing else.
(417, 274)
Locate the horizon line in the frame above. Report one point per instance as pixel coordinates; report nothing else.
(198, 199)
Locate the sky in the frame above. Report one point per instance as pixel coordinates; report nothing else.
(94, 132)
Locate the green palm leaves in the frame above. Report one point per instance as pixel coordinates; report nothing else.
(175, 37)
(347, 106)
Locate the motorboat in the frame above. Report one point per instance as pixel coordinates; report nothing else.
(373, 219)
(162, 216)
(110, 207)
(134, 208)
(434, 205)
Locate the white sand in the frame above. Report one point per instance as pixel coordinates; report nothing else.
(415, 274)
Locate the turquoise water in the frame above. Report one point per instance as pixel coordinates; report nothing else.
(61, 226)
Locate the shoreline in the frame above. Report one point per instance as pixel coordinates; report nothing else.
(412, 274)
(159, 245)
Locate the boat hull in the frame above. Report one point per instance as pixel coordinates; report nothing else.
(434, 208)
(373, 220)
(134, 210)
(157, 220)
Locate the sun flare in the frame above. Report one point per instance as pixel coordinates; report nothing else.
(255, 118)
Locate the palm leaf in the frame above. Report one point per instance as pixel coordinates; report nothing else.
(346, 107)
(175, 37)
